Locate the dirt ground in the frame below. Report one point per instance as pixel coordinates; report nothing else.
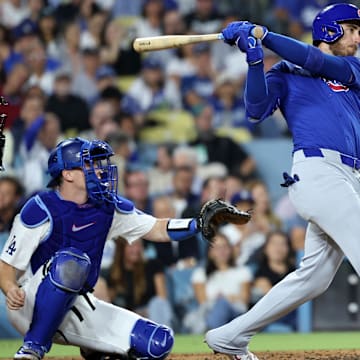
(290, 355)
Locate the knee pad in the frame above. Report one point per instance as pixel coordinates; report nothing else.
(149, 340)
(69, 269)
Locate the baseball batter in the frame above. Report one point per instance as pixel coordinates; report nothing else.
(52, 258)
(317, 88)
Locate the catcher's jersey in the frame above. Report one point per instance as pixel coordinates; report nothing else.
(24, 240)
(320, 113)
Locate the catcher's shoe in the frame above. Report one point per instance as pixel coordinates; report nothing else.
(30, 351)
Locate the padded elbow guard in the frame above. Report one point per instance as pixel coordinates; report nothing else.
(149, 340)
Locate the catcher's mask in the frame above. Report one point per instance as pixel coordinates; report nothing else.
(93, 157)
(326, 25)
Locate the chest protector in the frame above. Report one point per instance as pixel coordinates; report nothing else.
(84, 227)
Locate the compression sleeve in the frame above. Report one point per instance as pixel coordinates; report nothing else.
(260, 100)
(310, 58)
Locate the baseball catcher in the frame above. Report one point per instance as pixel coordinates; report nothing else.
(51, 260)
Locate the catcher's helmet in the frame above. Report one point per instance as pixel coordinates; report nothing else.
(326, 25)
(93, 157)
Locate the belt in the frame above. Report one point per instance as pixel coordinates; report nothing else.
(332, 155)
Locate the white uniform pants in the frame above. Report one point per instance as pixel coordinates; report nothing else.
(97, 325)
(328, 196)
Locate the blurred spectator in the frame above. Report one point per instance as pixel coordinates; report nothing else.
(36, 60)
(35, 7)
(233, 184)
(186, 157)
(11, 194)
(137, 189)
(181, 65)
(71, 109)
(197, 88)
(116, 50)
(205, 18)
(39, 139)
(127, 8)
(246, 239)
(13, 91)
(105, 77)
(91, 37)
(128, 124)
(31, 109)
(181, 193)
(69, 47)
(276, 259)
(228, 106)
(213, 148)
(222, 290)
(249, 238)
(153, 91)
(138, 284)
(161, 174)
(101, 121)
(48, 31)
(150, 22)
(172, 24)
(13, 12)
(293, 224)
(84, 82)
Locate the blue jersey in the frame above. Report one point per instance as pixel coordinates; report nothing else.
(320, 113)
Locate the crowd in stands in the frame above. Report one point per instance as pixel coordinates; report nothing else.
(177, 124)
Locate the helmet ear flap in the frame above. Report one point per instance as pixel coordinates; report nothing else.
(327, 24)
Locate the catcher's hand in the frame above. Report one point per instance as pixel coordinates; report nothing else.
(217, 212)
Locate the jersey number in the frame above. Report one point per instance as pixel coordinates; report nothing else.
(12, 247)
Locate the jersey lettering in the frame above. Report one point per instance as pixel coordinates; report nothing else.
(12, 247)
(336, 86)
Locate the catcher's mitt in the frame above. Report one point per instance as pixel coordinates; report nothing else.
(217, 212)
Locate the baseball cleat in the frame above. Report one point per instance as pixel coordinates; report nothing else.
(30, 351)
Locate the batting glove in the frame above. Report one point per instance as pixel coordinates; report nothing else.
(253, 49)
(236, 29)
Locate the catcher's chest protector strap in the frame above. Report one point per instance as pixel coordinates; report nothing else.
(181, 229)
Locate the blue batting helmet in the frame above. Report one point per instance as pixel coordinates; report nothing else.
(326, 25)
(93, 157)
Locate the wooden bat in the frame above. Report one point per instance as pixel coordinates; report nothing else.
(153, 43)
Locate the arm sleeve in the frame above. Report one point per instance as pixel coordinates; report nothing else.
(310, 58)
(262, 94)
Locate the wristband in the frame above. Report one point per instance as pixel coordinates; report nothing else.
(181, 229)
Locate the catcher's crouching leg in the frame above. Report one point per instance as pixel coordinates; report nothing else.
(149, 340)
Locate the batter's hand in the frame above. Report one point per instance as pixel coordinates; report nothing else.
(15, 298)
(236, 29)
(253, 49)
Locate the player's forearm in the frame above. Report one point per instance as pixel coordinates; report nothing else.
(309, 57)
(7, 277)
(256, 92)
(166, 230)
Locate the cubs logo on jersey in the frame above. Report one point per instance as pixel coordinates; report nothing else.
(336, 86)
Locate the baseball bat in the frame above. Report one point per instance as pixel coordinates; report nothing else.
(153, 43)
